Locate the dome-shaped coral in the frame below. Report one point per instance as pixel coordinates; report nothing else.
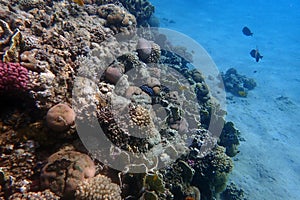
(98, 188)
(60, 117)
(64, 170)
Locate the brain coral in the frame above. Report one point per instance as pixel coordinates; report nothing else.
(64, 170)
(98, 188)
(13, 76)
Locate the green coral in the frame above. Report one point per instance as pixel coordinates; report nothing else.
(211, 172)
(154, 182)
(229, 139)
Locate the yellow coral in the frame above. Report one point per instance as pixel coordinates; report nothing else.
(13, 53)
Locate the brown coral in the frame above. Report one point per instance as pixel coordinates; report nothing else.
(118, 19)
(60, 117)
(47, 194)
(64, 171)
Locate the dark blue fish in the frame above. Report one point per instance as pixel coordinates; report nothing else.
(247, 31)
(147, 89)
(255, 54)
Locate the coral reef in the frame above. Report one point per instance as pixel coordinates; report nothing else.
(212, 171)
(232, 192)
(64, 170)
(18, 165)
(99, 187)
(237, 84)
(143, 94)
(141, 9)
(117, 19)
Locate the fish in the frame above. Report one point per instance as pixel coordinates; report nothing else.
(247, 31)
(255, 54)
(79, 2)
(242, 93)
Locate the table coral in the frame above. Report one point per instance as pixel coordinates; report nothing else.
(13, 76)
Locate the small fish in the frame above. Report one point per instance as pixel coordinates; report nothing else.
(79, 2)
(148, 90)
(247, 31)
(242, 93)
(255, 54)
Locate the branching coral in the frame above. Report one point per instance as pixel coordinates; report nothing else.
(98, 188)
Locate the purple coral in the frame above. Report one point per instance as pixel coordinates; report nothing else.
(13, 76)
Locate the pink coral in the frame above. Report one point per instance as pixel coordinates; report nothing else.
(13, 76)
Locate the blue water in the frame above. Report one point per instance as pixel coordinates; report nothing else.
(268, 166)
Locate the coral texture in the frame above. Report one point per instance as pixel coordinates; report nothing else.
(64, 170)
(118, 19)
(13, 76)
(60, 117)
(46, 194)
(98, 188)
(141, 9)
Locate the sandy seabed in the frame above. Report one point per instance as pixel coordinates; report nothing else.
(268, 165)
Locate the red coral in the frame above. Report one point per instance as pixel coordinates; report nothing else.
(13, 76)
